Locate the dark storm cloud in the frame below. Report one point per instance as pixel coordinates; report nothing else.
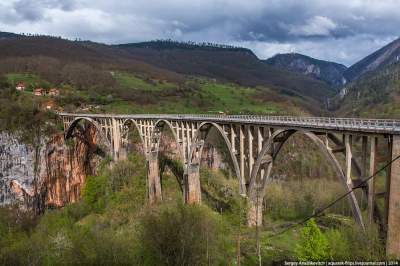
(340, 30)
(33, 10)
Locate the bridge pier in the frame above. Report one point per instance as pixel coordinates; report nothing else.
(255, 212)
(153, 178)
(393, 234)
(192, 184)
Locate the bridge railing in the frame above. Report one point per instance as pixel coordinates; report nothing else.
(345, 123)
(374, 125)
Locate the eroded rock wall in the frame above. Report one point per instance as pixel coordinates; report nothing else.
(50, 175)
(67, 167)
(17, 170)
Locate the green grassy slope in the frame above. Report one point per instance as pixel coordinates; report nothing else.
(195, 96)
(134, 93)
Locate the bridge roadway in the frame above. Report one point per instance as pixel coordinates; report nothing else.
(388, 126)
(253, 142)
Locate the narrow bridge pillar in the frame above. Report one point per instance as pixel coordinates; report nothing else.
(393, 234)
(116, 138)
(254, 212)
(193, 189)
(153, 178)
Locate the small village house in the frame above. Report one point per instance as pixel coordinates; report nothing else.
(38, 92)
(54, 92)
(20, 86)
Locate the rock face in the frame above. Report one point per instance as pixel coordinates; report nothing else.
(330, 72)
(67, 167)
(50, 176)
(53, 175)
(17, 170)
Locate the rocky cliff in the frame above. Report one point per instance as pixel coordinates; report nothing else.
(330, 72)
(50, 176)
(67, 166)
(17, 170)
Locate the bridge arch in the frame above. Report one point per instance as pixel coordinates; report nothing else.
(103, 137)
(271, 149)
(154, 175)
(156, 135)
(195, 154)
(125, 127)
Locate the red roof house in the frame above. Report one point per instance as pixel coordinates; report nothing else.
(38, 92)
(20, 86)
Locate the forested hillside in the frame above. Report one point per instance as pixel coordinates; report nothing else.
(376, 94)
(124, 80)
(228, 64)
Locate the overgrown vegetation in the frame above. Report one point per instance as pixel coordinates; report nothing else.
(114, 225)
(24, 115)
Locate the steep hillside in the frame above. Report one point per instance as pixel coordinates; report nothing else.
(387, 55)
(90, 66)
(227, 64)
(376, 94)
(49, 54)
(330, 72)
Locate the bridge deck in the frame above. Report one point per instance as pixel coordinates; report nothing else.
(385, 126)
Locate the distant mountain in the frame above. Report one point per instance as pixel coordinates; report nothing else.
(170, 44)
(4, 35)
(225, 63)
(330, 72)
(374, 94)
(88, 64)
(387, 55)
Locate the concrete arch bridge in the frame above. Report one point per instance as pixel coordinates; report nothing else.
(253, 143)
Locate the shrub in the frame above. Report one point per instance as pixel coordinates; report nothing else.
(120, 175)
(365, 245)
(312, 245)
(293, 200)
(94, 191)
(180, 235)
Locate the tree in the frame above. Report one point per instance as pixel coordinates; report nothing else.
(312, 245)
(4, 83)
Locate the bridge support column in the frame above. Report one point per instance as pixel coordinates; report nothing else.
(116, 138)
(371, 182)
(393, 234)
(193, 189)
(254, 212)
(153, 178)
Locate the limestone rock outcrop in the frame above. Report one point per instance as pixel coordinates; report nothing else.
(50, 175)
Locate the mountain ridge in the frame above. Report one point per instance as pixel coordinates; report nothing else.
(167, 59)
(382, 57)
(327, 71)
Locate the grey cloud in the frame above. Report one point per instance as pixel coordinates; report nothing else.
(336, 30)
(28, 10)
(34, 10)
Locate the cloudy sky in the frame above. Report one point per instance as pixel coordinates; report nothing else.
(338, 30)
